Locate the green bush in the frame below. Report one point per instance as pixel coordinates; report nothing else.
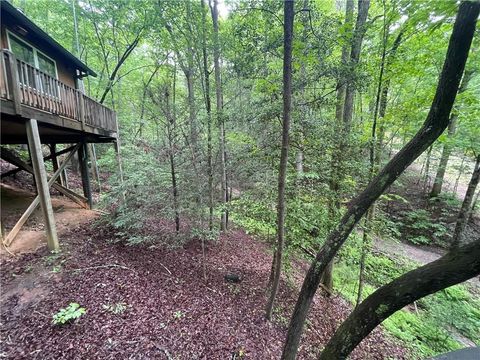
(72, 312)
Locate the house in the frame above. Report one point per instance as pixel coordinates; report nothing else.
(42, 102)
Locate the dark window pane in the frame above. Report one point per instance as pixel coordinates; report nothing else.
(46, 65)
(22, 51)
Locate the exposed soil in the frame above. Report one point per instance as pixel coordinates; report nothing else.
(15, 201)
(171, 312)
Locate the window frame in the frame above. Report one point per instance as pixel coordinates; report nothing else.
(35, 51)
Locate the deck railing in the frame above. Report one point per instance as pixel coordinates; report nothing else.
(26, 85)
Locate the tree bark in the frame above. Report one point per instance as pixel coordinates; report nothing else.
(220, 116)
(171, 124)
(474, 207)
(288, 17)
(339, 171)
(208, 107)
(453, 268)
(464, 214)
(447, 148)
(436, 122)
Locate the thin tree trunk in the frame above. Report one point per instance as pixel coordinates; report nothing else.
(288, 17)
(464, 213)
(442, 166)
(447, 148)
(426, 177)
(453, 268)
(171, 151)
(460, 173)
(208, 107)
(220, 116)
(357, 39)
(339, 104)
(474, 207)
(436, 122)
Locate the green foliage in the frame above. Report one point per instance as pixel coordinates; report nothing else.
(69, 314)
(178, 314)
(427, 332)
(455, 308)
(420, 333)
(420, 229)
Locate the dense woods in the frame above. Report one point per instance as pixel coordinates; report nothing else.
(342, 136)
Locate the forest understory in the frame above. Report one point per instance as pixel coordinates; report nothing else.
(150, 300)
(280, 180)
(147, 301)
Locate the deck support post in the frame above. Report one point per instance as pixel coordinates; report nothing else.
(118, 157)
(53, 154)
(87, 188)
(41, 181)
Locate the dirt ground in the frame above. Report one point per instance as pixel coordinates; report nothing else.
(170, 312)
(15, 201)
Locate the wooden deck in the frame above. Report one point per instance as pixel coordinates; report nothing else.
(64, 114)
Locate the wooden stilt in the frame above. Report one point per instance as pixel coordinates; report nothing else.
(53, 155)
(14, 171)
(33, 175)
(13, 233)
(12, 158)
(116, 144)
(87, 188)
(40, 173)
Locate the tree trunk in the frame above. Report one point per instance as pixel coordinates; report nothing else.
(460, 173)
(453, 268)
(356, 45)
(171, 124)
(282, 173)
(208, 107)
(339, 104)
(442, 166)
(426, 176)
(436, 122)
(220, 116)
(474, 207)
(464, 213)
(190, 88)
(447, 148)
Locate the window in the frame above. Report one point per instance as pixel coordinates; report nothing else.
(34, 57)
(22, 51)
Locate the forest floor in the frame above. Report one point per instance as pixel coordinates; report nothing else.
(165, 309)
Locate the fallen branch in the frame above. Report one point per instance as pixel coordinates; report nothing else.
(165, 268)
(165, 351)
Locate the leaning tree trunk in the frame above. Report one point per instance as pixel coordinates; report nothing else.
(464, 214)
(453, 268)
(282, 174)
(435, 123)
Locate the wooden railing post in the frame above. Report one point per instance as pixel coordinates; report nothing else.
(81, 108)
(12, 80)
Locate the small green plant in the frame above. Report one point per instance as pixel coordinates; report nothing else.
(178, 314)
(117, 308)
(72, 312)
(56, 268)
